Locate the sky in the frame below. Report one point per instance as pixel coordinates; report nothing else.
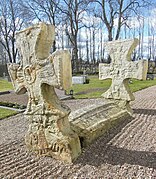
(148, 16)
(136, 25)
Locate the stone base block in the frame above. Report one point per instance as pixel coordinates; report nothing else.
(65, 148)
(94, 120)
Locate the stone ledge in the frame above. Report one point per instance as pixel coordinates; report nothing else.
(94, 120)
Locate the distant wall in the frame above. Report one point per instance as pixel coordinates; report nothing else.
(3, 69)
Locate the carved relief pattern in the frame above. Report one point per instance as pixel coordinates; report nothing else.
(39, 73)
(121, 69)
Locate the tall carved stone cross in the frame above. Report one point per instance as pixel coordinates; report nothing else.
(121, 69)
(39, 73)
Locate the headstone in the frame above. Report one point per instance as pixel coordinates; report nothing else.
(79, 79)
(4, 75)
(84, 71)
(145, 69)
(150, 77)
(121, 70)
(39, 73)
(152, 67)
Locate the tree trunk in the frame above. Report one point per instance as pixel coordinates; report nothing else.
(75, 62)
(87, 47)
(54, 46)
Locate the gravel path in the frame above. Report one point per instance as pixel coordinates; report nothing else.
(128, 151)
(23, 98)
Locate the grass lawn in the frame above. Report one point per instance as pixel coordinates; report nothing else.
(139, 85)
(5, 85)
(92, 90)
(96, 87)
(6, 112)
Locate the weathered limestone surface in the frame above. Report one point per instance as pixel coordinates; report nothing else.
(52, 131)
(38, 73)
(94, 120)
(121, 69)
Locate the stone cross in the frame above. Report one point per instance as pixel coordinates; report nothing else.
(121, 69)
(38, 74)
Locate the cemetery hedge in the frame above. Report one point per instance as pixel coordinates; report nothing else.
(12, 105)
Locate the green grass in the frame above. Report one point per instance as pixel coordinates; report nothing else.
(5, 85)
(96, 87)
(139, 85)
(6, 113)
(92, 90)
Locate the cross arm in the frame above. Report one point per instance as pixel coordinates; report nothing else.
(17, 77)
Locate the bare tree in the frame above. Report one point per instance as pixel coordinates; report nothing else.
(72, 15)
(115, 13)
(45, 10)
(11, 20)
(8, 26)
(141, 29)
(68, 12)
(87, 46)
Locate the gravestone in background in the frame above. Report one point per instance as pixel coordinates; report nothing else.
(38, 73)
(152, 67)
(79, 79)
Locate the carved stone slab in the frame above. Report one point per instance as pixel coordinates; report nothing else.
(96, 119)
(38, 73)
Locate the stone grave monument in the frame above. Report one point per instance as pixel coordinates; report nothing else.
(94, 120)
(38, 73)
(120, 70)
(53, 130)
(79, 79)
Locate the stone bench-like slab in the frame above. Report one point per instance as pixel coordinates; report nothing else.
(94, 120)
